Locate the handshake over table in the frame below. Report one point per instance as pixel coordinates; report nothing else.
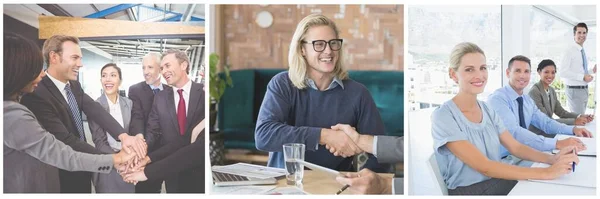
(343, 140)
(132, 159)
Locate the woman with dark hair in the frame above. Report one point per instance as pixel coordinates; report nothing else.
(119, 108)
(547, 101)
(31, 154)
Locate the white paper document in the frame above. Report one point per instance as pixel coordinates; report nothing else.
(584, 175)
(590, 144)
(241, 190)
(287, 191)
(251, 170)
(320, 169)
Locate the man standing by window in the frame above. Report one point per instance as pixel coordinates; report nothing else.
(576, 72)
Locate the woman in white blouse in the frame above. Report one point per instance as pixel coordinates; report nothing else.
(120, 108)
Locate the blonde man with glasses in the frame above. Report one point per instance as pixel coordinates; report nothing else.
(302, 104)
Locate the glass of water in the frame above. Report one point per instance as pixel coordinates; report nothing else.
(293, 153)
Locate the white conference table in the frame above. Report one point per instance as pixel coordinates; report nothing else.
(526, 187)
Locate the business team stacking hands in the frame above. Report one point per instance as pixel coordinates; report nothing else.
(45, 148)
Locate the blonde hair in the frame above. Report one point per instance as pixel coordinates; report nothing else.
(461, 50)
(297, 62)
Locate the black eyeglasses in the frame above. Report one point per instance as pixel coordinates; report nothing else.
(320, 45)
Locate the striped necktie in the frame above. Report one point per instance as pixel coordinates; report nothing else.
(75, 111)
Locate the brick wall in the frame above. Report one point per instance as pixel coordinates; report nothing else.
(373, 34)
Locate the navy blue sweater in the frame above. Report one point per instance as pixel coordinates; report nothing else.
(291, 115)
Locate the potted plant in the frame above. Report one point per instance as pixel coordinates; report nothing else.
(217, 86)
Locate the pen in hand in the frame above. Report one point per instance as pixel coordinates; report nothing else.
(342, 189)
(574, 152)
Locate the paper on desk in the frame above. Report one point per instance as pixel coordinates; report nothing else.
(286, 191)
(251, 170)
(241, 190)
(584, 175)
(590, 144)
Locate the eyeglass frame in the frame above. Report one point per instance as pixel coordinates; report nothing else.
(327, 43)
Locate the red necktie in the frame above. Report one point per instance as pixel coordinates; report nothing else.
(181, 112)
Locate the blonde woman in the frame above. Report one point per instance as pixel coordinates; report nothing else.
(302, 104)
(468, 134)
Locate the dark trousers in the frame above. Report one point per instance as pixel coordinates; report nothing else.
(492, 186)
(188, 181)
(149, 186)
(75, 182)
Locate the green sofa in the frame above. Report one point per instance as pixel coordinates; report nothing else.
(239, 106)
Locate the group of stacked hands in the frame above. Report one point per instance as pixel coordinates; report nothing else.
(134, 160)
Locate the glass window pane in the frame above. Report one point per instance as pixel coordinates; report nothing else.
(549, 37)
(432, 33)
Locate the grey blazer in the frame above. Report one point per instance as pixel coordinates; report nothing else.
(390, 149)
(98, 134)
(32, 155)
(538, 95)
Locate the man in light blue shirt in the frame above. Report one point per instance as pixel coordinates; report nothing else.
(518, 111)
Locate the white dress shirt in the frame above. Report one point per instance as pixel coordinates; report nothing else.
(570, 68)
(186, 96)
(115, 112)
(60, 85)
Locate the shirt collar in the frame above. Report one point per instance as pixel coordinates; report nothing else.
(110, 102)
(578, 46)
(512, 94)
(160, 86)
(336, 81)
(60, 85)
(187, 87)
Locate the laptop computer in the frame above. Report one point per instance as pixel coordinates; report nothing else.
(226, 179)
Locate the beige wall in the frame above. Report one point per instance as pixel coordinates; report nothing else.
(373, 34)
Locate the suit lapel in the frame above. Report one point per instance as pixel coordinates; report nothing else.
(146, 89)
(194, 103)
(125, 112)
(104, 103)
(171, 108)
(545, 101)
(553, 102)
(55, 92)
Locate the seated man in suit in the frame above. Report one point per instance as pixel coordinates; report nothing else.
(142, 95)
(59, 101)
(518, 111)
(175, 112)
(387, 149)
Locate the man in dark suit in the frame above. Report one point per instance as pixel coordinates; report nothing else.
(175, 112)
(58, 103)
(142, 95)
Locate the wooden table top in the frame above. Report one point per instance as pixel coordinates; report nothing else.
(318, 183)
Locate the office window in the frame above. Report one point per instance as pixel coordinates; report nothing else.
(549, 36)
(432, 33)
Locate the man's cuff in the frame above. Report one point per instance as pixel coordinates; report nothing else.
(549, 144)
(393, 180)
(567, 130)
(375, 146)
(314, 134)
